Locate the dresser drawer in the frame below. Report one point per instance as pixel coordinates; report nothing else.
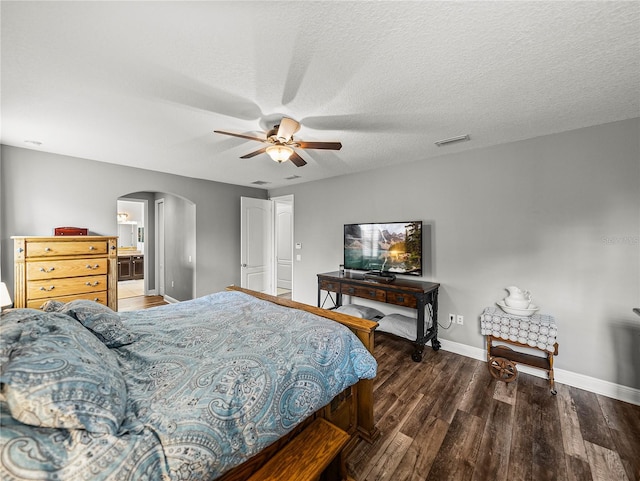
(329, 286)
(400, 299)
(67, 286)
(52, 248)
(365, 292)
(100, 297)
(71, 268)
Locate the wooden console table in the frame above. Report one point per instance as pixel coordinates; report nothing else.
(401, 292)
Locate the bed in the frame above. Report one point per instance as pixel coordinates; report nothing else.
(199, 390)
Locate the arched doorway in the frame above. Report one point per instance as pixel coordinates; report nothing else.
(178, 244)
(132, 268)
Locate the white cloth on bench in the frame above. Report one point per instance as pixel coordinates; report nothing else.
(538, 330)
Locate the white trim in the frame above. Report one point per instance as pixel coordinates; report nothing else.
(285, 199)
(145, 249)
(170, 300)
(588, 383)
(463, 349)
(157, 280)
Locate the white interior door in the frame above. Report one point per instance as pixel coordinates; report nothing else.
(284, 244)
(256, 245)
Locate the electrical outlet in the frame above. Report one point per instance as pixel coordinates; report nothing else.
(452, 318)
(460, 319)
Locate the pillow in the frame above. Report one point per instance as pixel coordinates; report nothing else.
(52, 306)
(98, 318)
(362, 312)
(403, 326)
(58, 375)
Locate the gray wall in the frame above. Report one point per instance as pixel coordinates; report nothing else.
(41, 191)
(558, 215)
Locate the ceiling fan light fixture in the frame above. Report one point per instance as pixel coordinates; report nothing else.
(279, 153)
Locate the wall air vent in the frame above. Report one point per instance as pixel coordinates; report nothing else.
(260, 182)
(292, 177)
(453, 140)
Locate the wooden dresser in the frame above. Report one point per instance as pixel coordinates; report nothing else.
(65, 268)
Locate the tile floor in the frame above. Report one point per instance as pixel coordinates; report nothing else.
(285, 293)
(128, 289)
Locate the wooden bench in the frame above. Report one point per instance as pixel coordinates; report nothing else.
(307, 456)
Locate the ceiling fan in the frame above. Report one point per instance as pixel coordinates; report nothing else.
(282, 144)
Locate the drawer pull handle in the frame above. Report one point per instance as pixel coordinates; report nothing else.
(91, 248)
(400, 298)
(50, 269)
(92, 284)
(47, 249)
(351, 290)
(47, 289)
(20, 250)
(96, 299)
(89, 266)
(372, 293)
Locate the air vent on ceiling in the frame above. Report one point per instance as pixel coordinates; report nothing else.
(260, 182)
(453, 140)
(292, 177)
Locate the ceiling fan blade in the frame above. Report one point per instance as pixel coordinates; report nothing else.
(370, 122)
(253, 154)
(242, 136)
(287, 128)
(319, 145)
(297, 160)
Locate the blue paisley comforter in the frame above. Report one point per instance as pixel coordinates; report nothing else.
(179, 392)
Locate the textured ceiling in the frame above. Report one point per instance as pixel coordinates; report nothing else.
(145, 84)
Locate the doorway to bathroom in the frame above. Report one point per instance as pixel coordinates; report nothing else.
(131, 250)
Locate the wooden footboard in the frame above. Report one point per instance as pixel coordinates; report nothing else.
(351, 410)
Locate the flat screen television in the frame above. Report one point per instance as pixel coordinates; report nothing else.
(384, 248)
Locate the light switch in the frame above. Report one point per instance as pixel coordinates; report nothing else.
(298, 245)
(298, 257)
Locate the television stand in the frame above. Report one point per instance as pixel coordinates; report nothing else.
(418, 295)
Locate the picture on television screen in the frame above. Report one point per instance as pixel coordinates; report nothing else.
(394, 247)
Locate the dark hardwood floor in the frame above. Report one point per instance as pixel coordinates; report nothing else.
(446, 418)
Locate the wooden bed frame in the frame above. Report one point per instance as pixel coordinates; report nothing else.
(352, 410)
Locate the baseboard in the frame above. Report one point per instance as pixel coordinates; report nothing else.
(588, 383)
(170, 300)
